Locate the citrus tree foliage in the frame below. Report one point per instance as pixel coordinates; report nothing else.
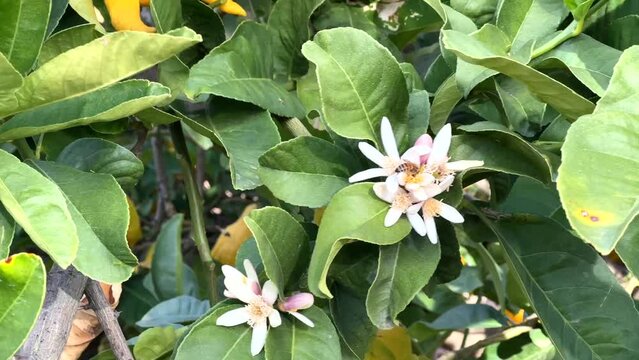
(412, 169)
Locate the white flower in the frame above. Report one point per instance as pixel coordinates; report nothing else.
(432, 208)
(258, 312)
(299, 301)
(388, 163)
(402, 202)
(437, 162)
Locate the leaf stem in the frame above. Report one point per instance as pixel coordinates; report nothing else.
(24, 149)
(573, 29)
(195, 207)
(295, 126)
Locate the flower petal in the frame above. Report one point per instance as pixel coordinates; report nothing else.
(372, 154)
(424, 140)
(446, 183)
(441, 144)
(392, 216)
(414, 154)
(431, 229)
(269, 292)
(462, 165)
(252, 276)
(302, 318)
(388, 139)
(274, 318)
(233, 317)
(298, 301)
(241, 289)
(392, 183)
(231, 272)
(368, 174)
(229, 294)
(260, 330)
(450, 213)
(417, 223)
(381, 190)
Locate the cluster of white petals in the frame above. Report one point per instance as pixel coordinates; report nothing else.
(414, 179)
(259, 311)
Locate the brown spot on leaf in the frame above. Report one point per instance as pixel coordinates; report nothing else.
(8, 260)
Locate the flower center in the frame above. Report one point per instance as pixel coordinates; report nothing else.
(431, 208)
(402, 200)
(440, 170)
(258, 311)
(416, 176)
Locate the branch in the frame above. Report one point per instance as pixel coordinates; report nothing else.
(108, 321)
(164, 206)
(49, 335)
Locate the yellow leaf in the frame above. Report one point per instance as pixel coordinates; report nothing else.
(144, 2)
(134, 232)
(148, 259)
(391, 344)
(317, 215)
(231, 238)
(125, 15)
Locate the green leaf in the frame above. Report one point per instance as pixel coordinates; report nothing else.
(66, 40)
(86, 10)
(469, 316)
(354, 213)
(449, 266)
(22, 30)
(353, 325)
(105, 157)
(246, 132)
(554, 93)
(7, 230)
(579, 8)
(101, 221)
(58, 8)
(572, 290)
(360, 82)
(403, 270)
(106, 104)
(229, 342)
(589, 60)
(289, 22)
(446, 98)
(167, 267)
(157, 343)
(528, 21)
(524, 112)
(295, 340)
(280, 240)
(154, 116)
(179, 310)
(39, 207)
(11, 81)
(136, 300)
(167, 15)
(232, 71)
(205, 21)
(100, 63)
(599, 200)
(22, 284)
(418, 116)
(305, 171)
(628, 247)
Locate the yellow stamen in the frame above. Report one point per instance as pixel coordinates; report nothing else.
(258, 311)
(402, 201)
(431, 207)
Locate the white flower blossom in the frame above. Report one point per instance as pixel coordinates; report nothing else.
(402, 202)
(296, 302)
(437, 162)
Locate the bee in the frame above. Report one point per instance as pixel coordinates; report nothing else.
(409, 168)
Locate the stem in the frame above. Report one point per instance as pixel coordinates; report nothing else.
(108, 321)
(295, 126)
(164, 205)
(39, 146)
(24, 149)
(575, 28)
(195, 207)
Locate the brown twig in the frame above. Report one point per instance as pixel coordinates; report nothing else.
(108, 321)
(49, 335)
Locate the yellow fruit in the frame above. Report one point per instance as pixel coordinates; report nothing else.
(229, 7)
(391, 344)
(517, 318)
(144, 2)
(134, 232)
(231, 238)
(125, 15)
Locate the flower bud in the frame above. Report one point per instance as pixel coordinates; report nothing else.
(296, 302)
(424, 140)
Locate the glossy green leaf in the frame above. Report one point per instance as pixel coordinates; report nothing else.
(305, 171)
(289, 22)
(66, 40)
(86, 10)
(22, 30)
(101, 156)
(469, 316)
(589, 60)
(167, 15)
(11, 81)
(22, 284)
(354, 213)
(167, 267)
(205, 21)
(179, 310)
(106, 104)
(418, 116)
(579, 8)
(98, 64)
(101, 221)
(527, 21)
(449, 266)
(480, 11)
(280, 240)
(295, 340)
(360, 82)
(446, 98)
(7, 230)
(246, 133)
(207, 340)
(599, 199)
(39, 207)
(554, 93)
(232, 71)
(154, 116)
(403, 269)
(353, 325)
(157, 343)
(135, 301)
(524, 112)
(586, 313)
(628, 247)
(58, 8)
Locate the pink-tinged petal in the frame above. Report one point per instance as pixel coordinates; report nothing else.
(441, 144)
(372, 154)
(388, 139)
(392, 216)
(233, 317)
(240, 289)
(381, 190)
(431, 229)
(269, 292)
(426, 141)
(368, 174)
(298, 301)
(302, 318)
(417, 223)
(462, 165)
(260, 330)
(414, 154)
(274, 318)
(392, 183)
(252, 276)
(450, 213)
